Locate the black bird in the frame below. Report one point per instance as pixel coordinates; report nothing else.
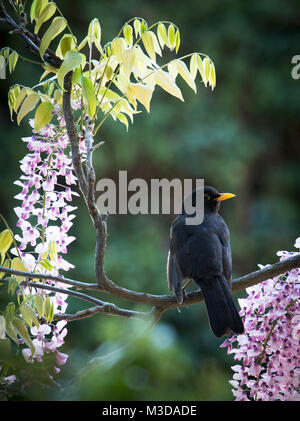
(203, 253)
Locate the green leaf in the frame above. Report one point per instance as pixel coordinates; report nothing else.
(10, 312)
(144, 27)
(48, 309)
(171, 36)
(28, 105)
(67, 43)
(52, 248)
(71, 62)
(57, 26)
(94, 34)
(38, 303)
(128, 35)
(43, 115)
(12, 61)
(88, 92)
(212, 76)
(12, 285)
(23, 332)
(36, 8)
(162, 35)
(76, 76)
(47, 12)
(5, 240)
(206, 64)
(12, 332)
(137, 27)
(46, 264)
(20, 98)
(193, 66)
(177, 40)
(123, 119)
(149, 44)
(29, 315)
(17, 264)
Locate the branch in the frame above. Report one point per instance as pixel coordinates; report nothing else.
(86, 183)
(32, 41)
(160, 303)
(110, 309)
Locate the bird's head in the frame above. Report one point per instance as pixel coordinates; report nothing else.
(212, 198)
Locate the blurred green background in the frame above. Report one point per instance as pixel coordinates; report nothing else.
(241, 138)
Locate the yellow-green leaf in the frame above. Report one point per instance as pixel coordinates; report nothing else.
(162, 35)
(121, 117)
(29, 315)
(212, 76)
(17, 264)
(88, 91)
(20, 98)
(36, 8)
(71, 62)
(186, 75)
(67, 43)
(43, 115)
(6, 264)
(193, 66)
(164, 80)
(27, 106)
(171, 36)
(143, 93)
(5, 240)
(76, 76)
(23, 332)
(52, 248)
(12, 61)
(118, 46)
(46, 264)
(206, 65)
(177, 40)
(47, 12)
(57, 26)
(38, 303)
(94, 33)
(148, 42)
(137, 27)
(127, 31)
(48, 309)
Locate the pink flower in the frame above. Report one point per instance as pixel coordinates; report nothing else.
(269, 350)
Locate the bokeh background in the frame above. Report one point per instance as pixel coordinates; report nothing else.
(242, 138)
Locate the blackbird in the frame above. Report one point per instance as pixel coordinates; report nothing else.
(203, 253)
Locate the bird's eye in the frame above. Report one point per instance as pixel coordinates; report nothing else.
(207, 196)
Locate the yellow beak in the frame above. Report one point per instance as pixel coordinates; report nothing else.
(225, 196)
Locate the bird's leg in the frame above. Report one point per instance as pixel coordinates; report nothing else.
(183, 290)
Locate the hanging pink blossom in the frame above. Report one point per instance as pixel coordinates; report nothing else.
(269, 350)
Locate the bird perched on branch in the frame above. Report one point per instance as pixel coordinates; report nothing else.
(203, 253)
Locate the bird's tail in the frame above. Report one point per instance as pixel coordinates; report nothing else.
(222, 313)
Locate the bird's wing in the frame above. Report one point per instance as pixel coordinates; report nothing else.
(178, 258)
(174, 277)
(224, 237)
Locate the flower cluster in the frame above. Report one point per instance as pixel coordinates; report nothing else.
(269, 350)
(45, 217)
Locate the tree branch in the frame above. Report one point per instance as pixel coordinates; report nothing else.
(160, 303)
(31, 40)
